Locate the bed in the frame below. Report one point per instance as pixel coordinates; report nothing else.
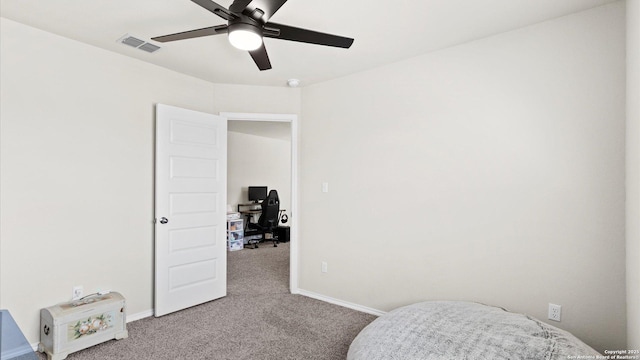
(462, 330)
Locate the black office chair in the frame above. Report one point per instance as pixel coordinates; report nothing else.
(269, 218)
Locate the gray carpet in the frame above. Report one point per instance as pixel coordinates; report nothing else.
(258, 320)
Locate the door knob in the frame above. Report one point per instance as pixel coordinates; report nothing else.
(164, 220)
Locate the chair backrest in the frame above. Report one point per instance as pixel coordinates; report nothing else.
(270, 210)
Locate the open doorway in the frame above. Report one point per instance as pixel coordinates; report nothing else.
(268, 144)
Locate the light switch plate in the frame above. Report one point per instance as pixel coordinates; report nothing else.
(325, 187)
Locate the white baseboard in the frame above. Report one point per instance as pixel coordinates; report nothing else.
(139, 316)
(15, 353)
(342, 303)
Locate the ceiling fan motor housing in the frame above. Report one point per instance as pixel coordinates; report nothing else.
(245, 24)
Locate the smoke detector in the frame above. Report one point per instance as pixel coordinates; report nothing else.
(293, 83)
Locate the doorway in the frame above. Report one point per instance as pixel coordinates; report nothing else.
(278, 122)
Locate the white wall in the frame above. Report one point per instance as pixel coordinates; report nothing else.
(517, 138)
(633, 174)
(76, 166)
(492, 172)
(258, 161)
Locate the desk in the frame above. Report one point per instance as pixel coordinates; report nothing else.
(250, 209)
(249, 214)
(250, 206)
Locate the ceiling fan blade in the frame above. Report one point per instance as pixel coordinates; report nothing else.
(216, 9)
(268, 7)
(212, 30)
(239, 5)
(261, 58)
(307, 36)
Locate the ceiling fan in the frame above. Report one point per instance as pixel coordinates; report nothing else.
(248, 22)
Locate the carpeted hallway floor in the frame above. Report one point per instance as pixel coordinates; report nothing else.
(258, 320)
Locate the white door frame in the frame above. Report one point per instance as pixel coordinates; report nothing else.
(293, 120)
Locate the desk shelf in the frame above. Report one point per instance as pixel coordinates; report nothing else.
(249, 207)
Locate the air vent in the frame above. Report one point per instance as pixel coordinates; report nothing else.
(131, 41)
(149, 47)
(138, 44)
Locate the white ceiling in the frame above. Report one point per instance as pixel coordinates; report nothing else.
(384, 31)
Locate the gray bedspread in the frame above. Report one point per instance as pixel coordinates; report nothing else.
(462, 330)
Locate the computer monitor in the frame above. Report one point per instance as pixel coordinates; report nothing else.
(257, 193)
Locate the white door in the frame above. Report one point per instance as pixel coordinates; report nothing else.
(190, 208)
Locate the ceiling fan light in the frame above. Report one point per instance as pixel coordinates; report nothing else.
(245, 39)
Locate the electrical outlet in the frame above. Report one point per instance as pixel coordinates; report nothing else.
(555, 312)
(324, 266)
(77, 293)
